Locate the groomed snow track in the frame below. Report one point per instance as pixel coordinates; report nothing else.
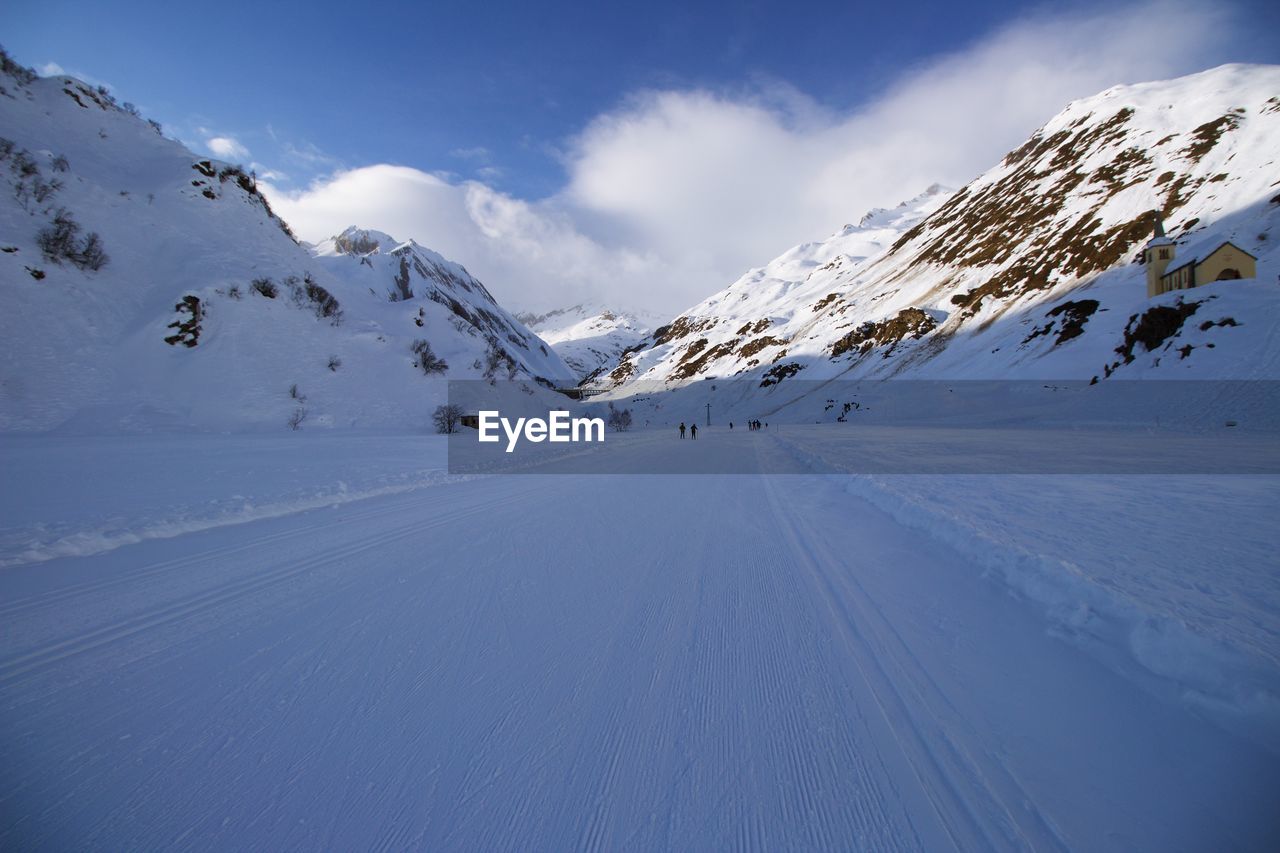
(585, 662)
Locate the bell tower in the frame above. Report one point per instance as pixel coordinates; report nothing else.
(1158, 253)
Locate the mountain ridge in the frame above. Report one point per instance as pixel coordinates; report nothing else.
(956, 290)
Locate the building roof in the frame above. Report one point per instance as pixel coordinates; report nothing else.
(1187, 261)
(1179, 265)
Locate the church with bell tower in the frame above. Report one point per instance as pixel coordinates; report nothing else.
(1225, 263)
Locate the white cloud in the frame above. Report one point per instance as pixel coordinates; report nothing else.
(529, 254)
(226, 148)
(478, 153)
(397, 199)
(675, 193)
(51, 69)
(307, 154)
(266, 173)
(733, 181)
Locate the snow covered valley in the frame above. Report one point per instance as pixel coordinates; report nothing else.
(1022, 594)
(309, 640)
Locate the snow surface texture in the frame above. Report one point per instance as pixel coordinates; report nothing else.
(86, 350)
(184, 488)
(647, 662)
(965, 284)
(1196, 602)
(589, 337)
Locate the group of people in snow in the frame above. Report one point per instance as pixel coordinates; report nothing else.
(693, 428)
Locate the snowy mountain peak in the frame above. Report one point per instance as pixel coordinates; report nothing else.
(361, 241)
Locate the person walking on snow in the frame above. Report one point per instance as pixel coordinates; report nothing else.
(682, 429)
(693, 431)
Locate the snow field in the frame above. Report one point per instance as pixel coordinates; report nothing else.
(594, 662)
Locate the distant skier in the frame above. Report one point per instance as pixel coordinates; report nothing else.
(682, 429)
(730, 424)
(693, 431)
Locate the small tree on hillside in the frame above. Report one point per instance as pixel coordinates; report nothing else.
(619, 420)
(447, 418)
(427, 361)
(58, 240)
(91, 256)
(497, 361)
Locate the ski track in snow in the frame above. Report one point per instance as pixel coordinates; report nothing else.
(972, 810)
(223, 594)
(87, 542)
(607, 662)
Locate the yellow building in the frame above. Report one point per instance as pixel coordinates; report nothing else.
(1224, 263)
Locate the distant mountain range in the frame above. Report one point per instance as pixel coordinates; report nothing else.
(591, 337)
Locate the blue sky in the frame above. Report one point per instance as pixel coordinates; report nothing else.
(435, 84)
(520, 138)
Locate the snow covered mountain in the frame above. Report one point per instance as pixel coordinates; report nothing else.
(440, 294)
(751, 320)
(148, 288)
(1033, 269)
(590, 337)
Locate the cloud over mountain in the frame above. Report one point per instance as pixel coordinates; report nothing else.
(671, 194)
